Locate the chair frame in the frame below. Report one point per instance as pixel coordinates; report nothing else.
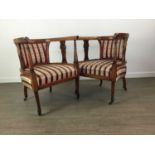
(62, 40)
(30, 72)
(112, 77)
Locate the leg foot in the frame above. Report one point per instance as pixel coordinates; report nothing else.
(100, 83)
(112, 92)
(77, 88)
(38, 102)
(50, 89)
(25, 93)
(124, 83)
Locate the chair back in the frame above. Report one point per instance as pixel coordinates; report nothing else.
(107, 46)
(32, 51)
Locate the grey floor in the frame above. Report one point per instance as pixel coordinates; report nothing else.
(132, 113)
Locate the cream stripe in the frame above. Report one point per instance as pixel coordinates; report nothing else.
(53, 73)
(121, 49)
(120, 76)
(24, 78)
(68, 70)
(109, 48)
(63, 72)
(98, 68)
(105, 48)
(103, 68)
(93, 69)
(32, 53)
(121, 70)
(23, 55)
(27, 85)
(57, 71)
(41, 68)
(89, 67)
(42, 76)
(86, 67)
(107, 71)
(74, 71)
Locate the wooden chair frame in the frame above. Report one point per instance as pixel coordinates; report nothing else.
(30, 72)
(112, 77)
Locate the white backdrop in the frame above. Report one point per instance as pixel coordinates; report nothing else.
(140, 50)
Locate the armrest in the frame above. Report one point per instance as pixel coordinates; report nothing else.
(62, 38)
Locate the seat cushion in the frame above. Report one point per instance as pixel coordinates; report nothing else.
(50, 73)
(101, 68)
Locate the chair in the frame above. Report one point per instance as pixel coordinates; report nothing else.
(111, 64)
(36, 70)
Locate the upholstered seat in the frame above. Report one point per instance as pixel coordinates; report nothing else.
(50, 73)
(101, 68)
(37, 72)
(111, 64)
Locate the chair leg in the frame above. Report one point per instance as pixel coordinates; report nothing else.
(25, 93)
(112, 91)
(100, 83)
(77, 88)
(50, 89)
(124, 83)
(38, 102)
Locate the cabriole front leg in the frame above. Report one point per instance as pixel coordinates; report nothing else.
(112, 91)
(38, 102)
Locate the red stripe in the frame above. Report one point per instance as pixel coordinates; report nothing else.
(104, 63)
(111, 49)
(26, 53)
(46, 79)
(47, 70)
(44, 49)
(51, 68)
(23, 54)
(107, 49)
(106, 68)
(35, 53)
(39, 52)
(67, 73)
(103, 43)
(62, 76)
(92, 65)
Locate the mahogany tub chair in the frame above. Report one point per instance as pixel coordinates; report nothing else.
(36, 70)
(111, 64)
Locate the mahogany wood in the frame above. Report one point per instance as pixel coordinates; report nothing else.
(63, 51)
(30, 70)
(86, 48)
(25, 93)
(101, 39)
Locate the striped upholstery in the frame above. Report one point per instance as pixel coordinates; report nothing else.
(37, 52)
(101, 68)
(108, 48)
(50, 73)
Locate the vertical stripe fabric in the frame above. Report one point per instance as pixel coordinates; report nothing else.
(108, 48)
(101, 68)
(37, 52)
(49, 73)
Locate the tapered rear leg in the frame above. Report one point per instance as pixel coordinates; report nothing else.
(50, 89)
(38, 102)
(100, 83)
(25, 93)
(124, 83)
(112, 91)
(77, 87)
